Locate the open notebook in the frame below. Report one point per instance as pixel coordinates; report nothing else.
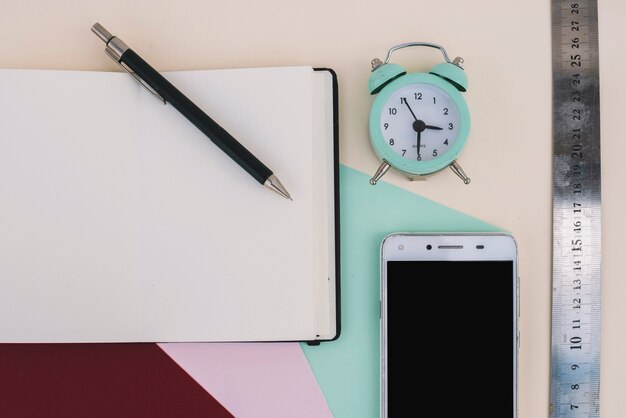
(120, 221)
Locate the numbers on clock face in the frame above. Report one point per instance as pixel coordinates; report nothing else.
(420, 122)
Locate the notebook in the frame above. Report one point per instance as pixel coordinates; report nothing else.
(120, 221)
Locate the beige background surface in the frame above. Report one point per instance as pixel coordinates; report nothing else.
(506, 46)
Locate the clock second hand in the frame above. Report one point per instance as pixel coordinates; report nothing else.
(419, 127)
(419, 144)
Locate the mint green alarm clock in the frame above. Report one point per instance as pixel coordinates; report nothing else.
(419, 122)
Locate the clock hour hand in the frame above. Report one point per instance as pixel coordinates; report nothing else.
(433, 127)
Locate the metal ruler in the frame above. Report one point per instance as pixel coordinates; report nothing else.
(576, 281)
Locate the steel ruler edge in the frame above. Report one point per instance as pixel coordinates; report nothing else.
(576, 248)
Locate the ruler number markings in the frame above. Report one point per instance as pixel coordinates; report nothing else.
(575, 322)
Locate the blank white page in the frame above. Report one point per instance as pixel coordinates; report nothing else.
(120, 221)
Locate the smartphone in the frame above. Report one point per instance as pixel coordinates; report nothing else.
(449, 325)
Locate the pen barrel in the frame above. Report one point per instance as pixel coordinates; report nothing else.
(218, 135)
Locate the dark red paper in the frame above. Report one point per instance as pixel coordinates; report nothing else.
(98, 380)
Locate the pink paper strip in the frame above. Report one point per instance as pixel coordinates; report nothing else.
(271, 380)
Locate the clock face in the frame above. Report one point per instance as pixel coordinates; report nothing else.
(420, 122)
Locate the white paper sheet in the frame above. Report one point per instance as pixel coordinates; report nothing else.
(120, 221)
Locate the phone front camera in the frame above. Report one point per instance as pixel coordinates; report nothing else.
(429, 247)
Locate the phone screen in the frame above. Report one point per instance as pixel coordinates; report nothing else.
(460, 316)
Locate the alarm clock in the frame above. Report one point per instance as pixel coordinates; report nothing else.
(419, 122)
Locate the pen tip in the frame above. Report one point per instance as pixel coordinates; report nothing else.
(274, 184)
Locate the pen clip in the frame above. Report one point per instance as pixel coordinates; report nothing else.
(111, 53)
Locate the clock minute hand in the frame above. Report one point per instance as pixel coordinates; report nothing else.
(411, 110)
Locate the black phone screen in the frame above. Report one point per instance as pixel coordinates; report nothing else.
(460, 318)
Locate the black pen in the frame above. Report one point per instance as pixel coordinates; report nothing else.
(167, 93)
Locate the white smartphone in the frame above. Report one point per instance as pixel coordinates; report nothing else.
(449, 325)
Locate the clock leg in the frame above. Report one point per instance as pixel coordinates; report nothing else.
(380, 172)
(459, 172)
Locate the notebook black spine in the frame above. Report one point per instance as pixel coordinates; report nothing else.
(335, 205)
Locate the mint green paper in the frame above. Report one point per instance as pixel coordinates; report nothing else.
(347, 370)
